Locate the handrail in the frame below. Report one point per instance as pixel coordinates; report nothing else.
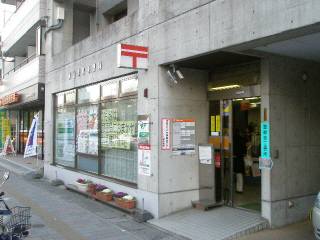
(24, 62)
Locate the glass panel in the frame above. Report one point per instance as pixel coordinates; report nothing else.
(110, 89)
(65, 137)
(129, 86)
(88, 164)
(119, 139)
(87, 130)
(66, 98)
(89, 94)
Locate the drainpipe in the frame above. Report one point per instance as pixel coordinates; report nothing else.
(54, 27)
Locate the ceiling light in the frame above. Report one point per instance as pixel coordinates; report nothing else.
(225, 87)
(252, 98)
(237, 99)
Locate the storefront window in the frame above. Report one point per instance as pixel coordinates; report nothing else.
(65, 137)
(119, 139)
(79, 137)
(87, 138)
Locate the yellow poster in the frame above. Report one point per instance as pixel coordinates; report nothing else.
(218, 123)
(213, 123)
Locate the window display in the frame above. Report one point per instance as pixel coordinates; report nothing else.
(119, 139)
(65, 134)
(87, 130)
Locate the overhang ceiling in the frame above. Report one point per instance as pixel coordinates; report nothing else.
(305, 47)
(217, 59)
(20, 47)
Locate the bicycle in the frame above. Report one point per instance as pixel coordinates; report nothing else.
(14, 222)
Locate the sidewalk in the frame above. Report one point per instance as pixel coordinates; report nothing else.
(20, 165)
(59, 214)
(298, 231)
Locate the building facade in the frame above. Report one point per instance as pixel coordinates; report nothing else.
(223, 79)
(23, 73)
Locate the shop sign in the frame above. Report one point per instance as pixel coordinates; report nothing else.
(183, 136)
(10, 99)
(143, 131)
(85, 69)
(265, 159)
(165, 134)
(132, 56)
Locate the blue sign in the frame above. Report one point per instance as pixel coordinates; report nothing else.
(265, 140)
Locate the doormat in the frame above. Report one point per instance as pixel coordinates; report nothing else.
(252, 206)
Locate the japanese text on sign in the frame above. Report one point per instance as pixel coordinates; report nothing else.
(165, 133)
(183, 137)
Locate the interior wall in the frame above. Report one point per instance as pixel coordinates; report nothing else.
(294, 115)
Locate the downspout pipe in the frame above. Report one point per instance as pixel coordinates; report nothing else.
(54, 27)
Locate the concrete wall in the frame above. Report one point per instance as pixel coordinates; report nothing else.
(179, 175)
(294, 114)
(174, 30)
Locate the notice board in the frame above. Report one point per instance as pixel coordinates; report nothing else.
(183, 136)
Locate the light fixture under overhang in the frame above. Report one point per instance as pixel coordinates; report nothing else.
(225, 87)
(252, 98)
(237, 99)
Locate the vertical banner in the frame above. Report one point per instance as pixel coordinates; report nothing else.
(31, 146)
(165, 134)
(265, 161)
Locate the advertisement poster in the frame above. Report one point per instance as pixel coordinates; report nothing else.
(116, 134)
(144, 161)
(165, 133)
(143, 130)
(87, 130)
(65, 136)
(183, 136)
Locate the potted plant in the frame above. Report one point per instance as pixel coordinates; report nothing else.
(105, 194)
(92, 188)
(124, 200)
(82, 184)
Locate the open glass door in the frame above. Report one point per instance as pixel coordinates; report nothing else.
(221, 139)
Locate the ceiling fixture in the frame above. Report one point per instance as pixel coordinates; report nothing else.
(252, 98)
(225, 87)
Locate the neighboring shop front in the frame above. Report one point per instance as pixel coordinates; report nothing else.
(96, 129)
(16, 115)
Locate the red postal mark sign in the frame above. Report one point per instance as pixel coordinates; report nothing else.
(132, 56)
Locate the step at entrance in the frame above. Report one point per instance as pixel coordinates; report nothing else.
(206, 204)
(223, 223)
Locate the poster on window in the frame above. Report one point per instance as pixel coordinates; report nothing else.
(183, 137)
(65, 126)
(144, 161)
(87, 130)
(114, 133)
